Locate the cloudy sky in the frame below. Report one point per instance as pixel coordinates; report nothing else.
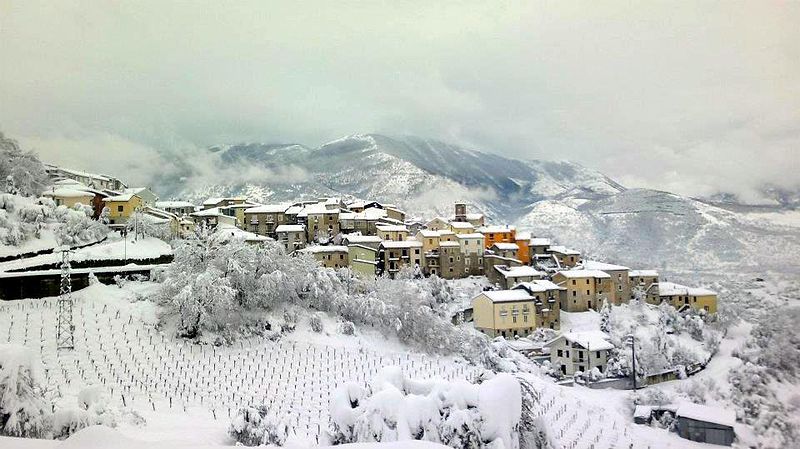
(692, 97)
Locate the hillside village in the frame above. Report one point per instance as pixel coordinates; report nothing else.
(531, 280)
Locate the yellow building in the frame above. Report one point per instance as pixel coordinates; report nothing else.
(69, 197)
(429, 239)
(506, 313)
(121, 207)
(363, 260)
(620, 279)
(437, 224)
(681, 296)
(586, 289)
(462, 227)
(329, 256)
(395, 233)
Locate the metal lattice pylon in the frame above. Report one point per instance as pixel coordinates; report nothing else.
(65, 330)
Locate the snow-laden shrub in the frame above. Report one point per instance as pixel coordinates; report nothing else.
(316, 323)
(347, 328)
(77, 227)
(92, 408)
(23, 409)
(257, 426)
(459, 414)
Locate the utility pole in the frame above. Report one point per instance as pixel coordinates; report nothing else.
(65, 330)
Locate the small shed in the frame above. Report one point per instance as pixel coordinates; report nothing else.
(705, 424)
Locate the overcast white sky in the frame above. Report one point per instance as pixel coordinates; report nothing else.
(692, 97)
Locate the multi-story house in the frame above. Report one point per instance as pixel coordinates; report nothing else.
(322, 222)
(507, 277)
(462, 227)
(397, 233)
(523, 247)
(505, 249)
(394, 255)
(641, 280)
(69, 193)
(429, 239)
(265, 219)
(547, 299)
(179, 208)
(573, 352)
(538, 246)
(291, 236)
(682, 297)
(329, 256)
(121, 207)
(620, 280)
(149, 198)
(498, 234)
(222, 202)
(586, 289)
(363, 260)
(437, 224)
(451, 261)
(211, 218)
(91, 180)
(373, 241)
(237, 212)
(472, 250)
(567, 258)
(394, 213)
(511, 313)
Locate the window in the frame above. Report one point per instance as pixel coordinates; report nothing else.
(587, 293)
(525, 318)
(416, 251)
(120, 208)
(574, 293)
(573, 282)
(560, 353)
(587, 282)
(597, 354)
(514, 319)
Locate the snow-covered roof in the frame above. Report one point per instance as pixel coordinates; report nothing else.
(173, 204)
(391, 228)
(69, 182)
(515, 272)
(474, 216)
(402, 244)
(647, 273)
(121, 198)
(471, 235)
(495, 229)
(461, 225)
(294, 210)
(65, 192)
(267, 209)
(591, 340)
(355, 238)
(523, 235)
(290, 228)
(449, 243)
(672, 289)
(705, 413)
(441, 219)
(86, 174)
(325, 249)
(507, 295)
(538, 285)
(564, 250)
(584, 274)
(602, 266)
(213, 212)
(505, 246)
(428, 233)
(538, 241)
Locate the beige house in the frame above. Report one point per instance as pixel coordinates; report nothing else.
(121, 207)
(291, 236)
(437, 224)
(547, 299)
(373, 241)
(641, 280)
(329, 256)
(394, 255)
(462, 227)
(506, 313)
(681, 296)
(429, 239)
(620, 279)
(69, 197)
(211, 218)
(322, 222)
(586, 289)
(573, 352)
(396, 233)
(265, 219)
(394, 212)
(566, 257)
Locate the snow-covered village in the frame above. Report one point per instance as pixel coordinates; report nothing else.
(173, 274)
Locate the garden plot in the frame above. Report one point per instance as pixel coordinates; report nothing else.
(118, 346)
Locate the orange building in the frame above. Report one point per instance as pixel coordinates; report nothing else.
(498, 234)
(523, 240)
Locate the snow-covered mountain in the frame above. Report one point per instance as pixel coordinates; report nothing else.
(575, 205)
(424, 176)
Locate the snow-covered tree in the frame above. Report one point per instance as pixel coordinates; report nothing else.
(23, 410)
(22, 171)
